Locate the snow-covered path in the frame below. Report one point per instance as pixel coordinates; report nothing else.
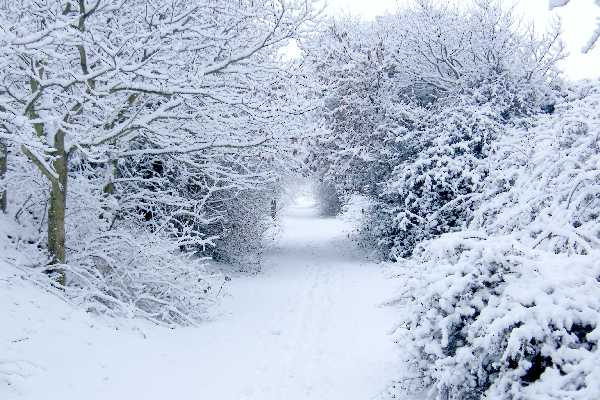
(308, 327)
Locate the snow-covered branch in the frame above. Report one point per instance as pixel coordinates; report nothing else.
(595, 35)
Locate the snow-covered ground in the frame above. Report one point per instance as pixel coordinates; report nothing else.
(308, 327)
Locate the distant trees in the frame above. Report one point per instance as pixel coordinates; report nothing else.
(328, 199)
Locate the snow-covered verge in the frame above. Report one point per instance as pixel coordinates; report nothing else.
(40, 331)
(53, 349)
(510, 307)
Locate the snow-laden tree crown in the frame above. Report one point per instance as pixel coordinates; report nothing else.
(135, 131)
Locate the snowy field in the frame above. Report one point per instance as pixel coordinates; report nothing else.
(309, 326)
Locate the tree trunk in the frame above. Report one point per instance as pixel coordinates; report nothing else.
(3, 162)
(58, 203)
(58, 186)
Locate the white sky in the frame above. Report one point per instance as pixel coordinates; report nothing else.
(578, 22)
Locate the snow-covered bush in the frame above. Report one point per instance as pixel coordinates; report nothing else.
(544, 181)
(241, 231)
(491, 318)
(136, 274)
(115, 267)
(434, 192)
(510, 307)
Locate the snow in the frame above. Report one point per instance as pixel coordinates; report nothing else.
(309, 326)
(552, 4)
